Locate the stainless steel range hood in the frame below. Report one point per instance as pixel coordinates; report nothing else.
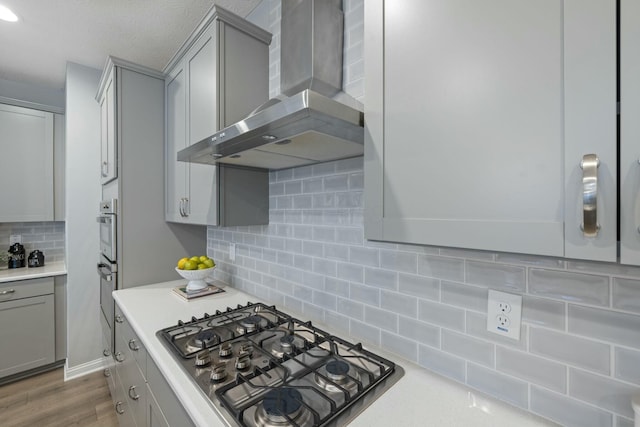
(312, 121)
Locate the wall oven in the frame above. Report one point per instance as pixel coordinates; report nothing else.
(108, 266)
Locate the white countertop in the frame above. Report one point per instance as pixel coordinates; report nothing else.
(418, 399)
(25, 273)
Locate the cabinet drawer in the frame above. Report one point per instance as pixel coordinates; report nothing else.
(121, 406)
(131, 341)
(172, 409)
(26, 288)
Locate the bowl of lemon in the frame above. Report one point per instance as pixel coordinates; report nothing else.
(195, 270)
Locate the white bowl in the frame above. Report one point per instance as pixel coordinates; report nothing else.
(196, 278)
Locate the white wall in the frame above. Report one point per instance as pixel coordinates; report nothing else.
(32, 96)
(84, 336)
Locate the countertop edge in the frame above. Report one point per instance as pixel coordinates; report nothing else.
(26, 273)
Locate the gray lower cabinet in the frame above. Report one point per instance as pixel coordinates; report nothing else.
(29, 304)
(141, 395)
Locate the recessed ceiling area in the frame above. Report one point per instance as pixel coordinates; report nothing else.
(49, 33)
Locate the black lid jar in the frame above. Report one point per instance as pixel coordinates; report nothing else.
(16, 258)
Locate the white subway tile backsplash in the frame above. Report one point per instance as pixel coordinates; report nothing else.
(325, 267)
(350, 272)
(367, 332)
(405, 262)
(502, 386)
(576, 351)
(418, 286)
(398, 303)
(438, 314)
(601, 391)
(468, 348)
(471, 297)
(336, 183)
(381, 318)
(325, 300)
(336, 287)
(627, 365)
(314, 185)
(569, 286)
(336, 252)
(382, 279)
(619, 328)
(442, 363)
(441, 267)
(402, 346)
(364, 256)
(350, 308)
(567, 411)
(419, 331)
(533, 369)
(365, 294)
(626, 294)
(496, 276)
(544, 312)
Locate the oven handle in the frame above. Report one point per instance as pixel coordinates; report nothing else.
(103, 275)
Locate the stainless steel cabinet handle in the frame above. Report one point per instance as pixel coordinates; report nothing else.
(181, 208)
(132, 345)
(186, 206)
(119, 409)
(106, 352)
(107, 372)
(119, 319)
(119, 357)
(7, 292)
(132, 393)
(589, 165)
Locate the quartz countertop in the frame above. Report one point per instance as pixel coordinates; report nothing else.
(25, 273)
(419, 398)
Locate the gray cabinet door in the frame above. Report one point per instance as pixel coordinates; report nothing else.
(176, 172)
(32, 344)
(26, 164)
(201, 63)
(477, 117)
(108, 148)
(630, 133)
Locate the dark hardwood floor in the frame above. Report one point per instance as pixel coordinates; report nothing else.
(46, 400)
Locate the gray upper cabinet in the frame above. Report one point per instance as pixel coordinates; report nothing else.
(108, 148)
(27, 165)
(218, 77)
(478, 117)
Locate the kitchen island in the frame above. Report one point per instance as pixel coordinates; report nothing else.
(419, 398)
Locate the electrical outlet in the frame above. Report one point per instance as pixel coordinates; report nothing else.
(15, 238)
(504, 314)
(232, 251)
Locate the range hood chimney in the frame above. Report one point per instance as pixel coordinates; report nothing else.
(312, 121)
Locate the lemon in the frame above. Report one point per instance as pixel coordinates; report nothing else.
(181, 263)
(209, 263)
(195, 259)
(202, 266)
(203, 258)
(190, 265)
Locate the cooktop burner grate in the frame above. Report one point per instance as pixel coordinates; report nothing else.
(263, 368)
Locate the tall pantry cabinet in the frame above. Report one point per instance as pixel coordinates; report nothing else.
(501, 110)
(217, 78)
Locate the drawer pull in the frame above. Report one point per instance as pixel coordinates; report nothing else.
(119, 408)
(132, 393)
(107, 372)
(119, 319)
(106, 352)
(8, 291)
(589, 165)
(132, 345)
(119, 357)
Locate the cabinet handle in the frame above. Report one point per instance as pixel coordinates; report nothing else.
(180, 208)
(119, 409)
(589, 165)
(107, 372)
(186, 206)
(132, 393)
(119, 357)
(106, 352)
(132, 345)
(119, 319)
(8, 291)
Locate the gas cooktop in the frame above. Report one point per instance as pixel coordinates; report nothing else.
(260, 367)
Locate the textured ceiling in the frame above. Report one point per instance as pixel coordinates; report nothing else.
(52, 32)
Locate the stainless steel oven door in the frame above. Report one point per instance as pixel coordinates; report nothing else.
(108, 284)
(108, 236)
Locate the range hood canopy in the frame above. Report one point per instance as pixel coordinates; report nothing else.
(312, 121)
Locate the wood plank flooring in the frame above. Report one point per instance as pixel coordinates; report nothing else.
(46, 400)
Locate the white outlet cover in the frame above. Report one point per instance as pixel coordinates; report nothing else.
(496, 314)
